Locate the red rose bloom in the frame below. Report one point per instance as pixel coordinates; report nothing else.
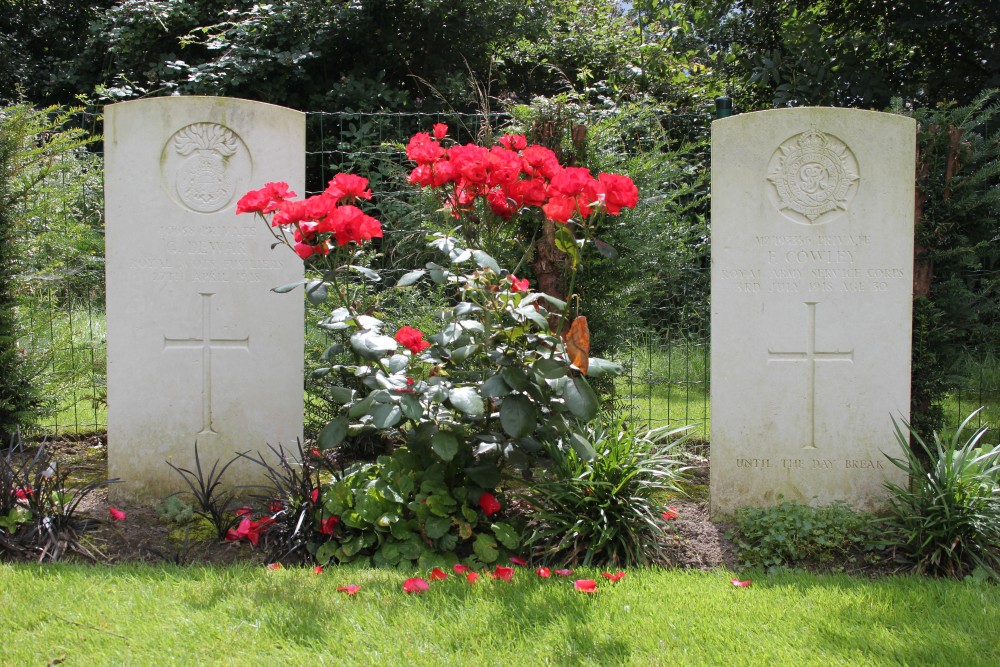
(489, 504)
(514, 142)
(518, 284)
(265, 200)
(619, 192)
(349, 186)
(412, 339)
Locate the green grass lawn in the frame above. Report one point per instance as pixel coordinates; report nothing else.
(84, 615)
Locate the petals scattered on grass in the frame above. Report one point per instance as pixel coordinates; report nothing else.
(517, 560)
(273, 566)
(116, 514)
(461, 568)
(615, 578)
(437, 574)
(741, 584)
(318, 569)
(564, 573)
(350, 590)
(670, 514)
(504, 573)
(471, 577)
(585, 585)
(543, 572)
(415, 585)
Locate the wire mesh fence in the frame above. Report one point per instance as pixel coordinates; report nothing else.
(666, 357)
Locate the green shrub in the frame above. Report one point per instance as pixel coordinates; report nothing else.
(600, 501)
(413, 508)
(796, 535)
(947, 519)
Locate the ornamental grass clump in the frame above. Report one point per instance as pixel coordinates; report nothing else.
(600, 502)
(39, 506)
(946, 521)
(473, 397)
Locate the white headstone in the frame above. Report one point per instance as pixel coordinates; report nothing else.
(199, 347)
(812, 265)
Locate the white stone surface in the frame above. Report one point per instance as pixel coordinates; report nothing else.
(199, 347)
(812, 263)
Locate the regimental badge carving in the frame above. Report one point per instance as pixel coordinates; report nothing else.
(813, 176)
(204, 165)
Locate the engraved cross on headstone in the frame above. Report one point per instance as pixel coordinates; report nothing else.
(811, 356)
(206, 344)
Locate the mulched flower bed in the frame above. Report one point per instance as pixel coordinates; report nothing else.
(695, 541)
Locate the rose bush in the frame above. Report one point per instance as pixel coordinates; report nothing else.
(459, 403)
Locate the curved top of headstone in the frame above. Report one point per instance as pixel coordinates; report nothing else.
(205, 156)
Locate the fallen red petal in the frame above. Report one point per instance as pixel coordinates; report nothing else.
(543, 572)
(274, 566)
(460, 568)
(585, 585)
(116, 514)
(613, 577)
(504, 573)
(741, 584)
(517, 560)
(350, 590)
(670, 514)
(437, 574)
(318, 569)
(564, 573)
(415, 585)
(471, 577)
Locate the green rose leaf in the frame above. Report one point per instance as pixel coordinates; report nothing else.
(517, 416)
(411, 407)
(333, 433)
(341, 395)
(362, 407)
(316, 292)
(410, 277)
(506, 535)
(289, 287)
(396, 362)
(460, 354)
(371, 345)
(599, 367)
(566, 242)
(536, 317)
(485, 548)
(582, 447)
(495, 387)
(580, 398)
(386, 415)
(445, 445)
(515, 378)
(485, 261)
(366, 272)
(551, 368)
(468, 400)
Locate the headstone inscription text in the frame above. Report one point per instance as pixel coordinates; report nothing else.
(812, 252)
(199, 348)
